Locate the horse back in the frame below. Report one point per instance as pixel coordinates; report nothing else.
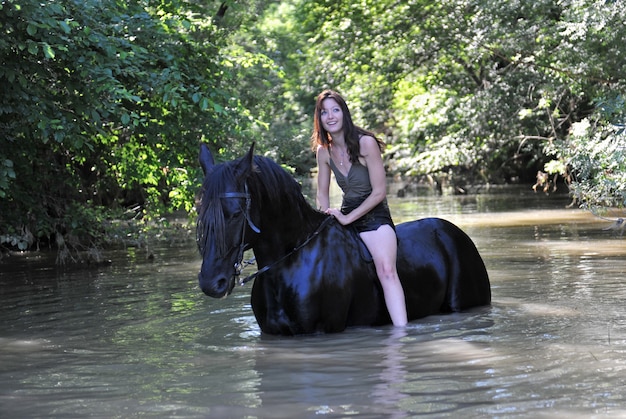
(440, 268)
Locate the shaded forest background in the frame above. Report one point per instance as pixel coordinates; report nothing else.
(104, 102)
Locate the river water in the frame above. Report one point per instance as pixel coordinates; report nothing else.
(138, 338)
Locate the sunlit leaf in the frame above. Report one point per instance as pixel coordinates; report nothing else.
(48, 51)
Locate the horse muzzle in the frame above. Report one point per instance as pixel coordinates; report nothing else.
(217, 287)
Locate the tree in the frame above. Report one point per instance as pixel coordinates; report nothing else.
(104, 102)
(103, 106)
(592, 156)
(475, 90)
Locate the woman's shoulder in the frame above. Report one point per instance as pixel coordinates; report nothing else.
(367, 138)
(322, 153)
(368, 144)
(322, 149)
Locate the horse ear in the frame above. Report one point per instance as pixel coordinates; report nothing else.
(249, 159)
(250, 154)
(206, 159)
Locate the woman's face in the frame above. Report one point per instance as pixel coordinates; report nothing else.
(331, 116)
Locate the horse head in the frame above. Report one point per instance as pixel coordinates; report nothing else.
(225, 227)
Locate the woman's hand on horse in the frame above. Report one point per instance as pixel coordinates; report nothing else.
(339, 216)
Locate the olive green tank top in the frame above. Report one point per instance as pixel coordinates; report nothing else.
(356, 185)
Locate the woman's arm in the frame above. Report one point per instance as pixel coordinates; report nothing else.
(323, 178)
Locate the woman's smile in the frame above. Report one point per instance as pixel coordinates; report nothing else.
(332, 116)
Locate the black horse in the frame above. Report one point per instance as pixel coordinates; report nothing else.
(316, 275)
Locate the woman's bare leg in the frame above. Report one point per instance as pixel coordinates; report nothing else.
(383, 246)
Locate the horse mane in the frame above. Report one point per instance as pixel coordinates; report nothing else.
(276, 190)
(271, 188)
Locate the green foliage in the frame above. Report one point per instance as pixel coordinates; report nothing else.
(6, 174)
(467, 90)
(591, 156)
(266, 56)
(104, 104)
(593, 161)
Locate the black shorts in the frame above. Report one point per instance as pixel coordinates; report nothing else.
(378, 216)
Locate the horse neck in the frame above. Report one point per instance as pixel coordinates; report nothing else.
(293, 220)
(286, 218)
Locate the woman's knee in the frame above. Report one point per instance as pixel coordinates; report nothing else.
(386, 271)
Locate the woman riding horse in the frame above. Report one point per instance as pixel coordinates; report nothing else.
(315, 275)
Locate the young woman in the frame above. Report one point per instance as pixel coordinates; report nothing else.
(354, 156)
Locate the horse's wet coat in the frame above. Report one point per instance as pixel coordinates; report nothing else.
(327, 285)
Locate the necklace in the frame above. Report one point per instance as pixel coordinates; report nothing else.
(342, 156)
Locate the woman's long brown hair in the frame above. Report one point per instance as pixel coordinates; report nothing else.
(351, 132)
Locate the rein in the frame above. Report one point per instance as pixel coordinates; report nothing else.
(311, 236)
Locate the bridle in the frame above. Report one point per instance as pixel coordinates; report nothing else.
(240, 263)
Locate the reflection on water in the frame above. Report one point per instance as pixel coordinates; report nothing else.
(138, 338)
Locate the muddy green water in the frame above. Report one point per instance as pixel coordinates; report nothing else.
(138, 338)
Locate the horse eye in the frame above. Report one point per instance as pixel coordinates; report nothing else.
(230, 215)
(235, 214)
